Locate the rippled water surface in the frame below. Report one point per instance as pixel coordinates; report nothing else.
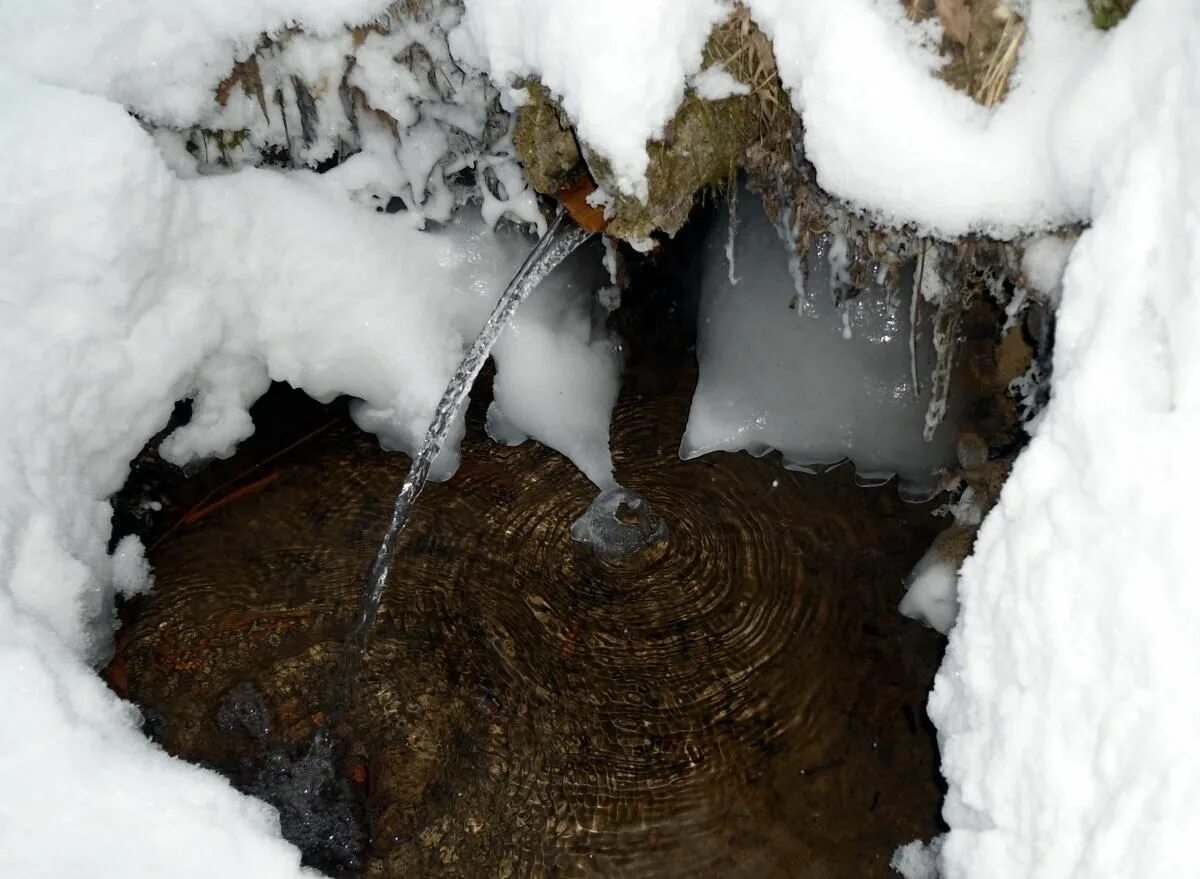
(740, 699)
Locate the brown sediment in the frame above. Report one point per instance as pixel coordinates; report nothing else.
(742, 700)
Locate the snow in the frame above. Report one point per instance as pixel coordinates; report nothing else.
(1043, 262)
(163, 58)
(714, 83)
(821, 382)
(130, 277)
(916, 860)
(127, 288)
(619, 68)
(131, 570)
(932, 595)
(1066, 705)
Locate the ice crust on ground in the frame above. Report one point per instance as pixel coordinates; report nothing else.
(1066, 704)
(820, 385)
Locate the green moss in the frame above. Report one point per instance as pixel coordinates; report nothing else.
(1109, 13)
(703, 146)
(545, 143)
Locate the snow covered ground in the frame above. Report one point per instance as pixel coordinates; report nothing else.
(1067, 707)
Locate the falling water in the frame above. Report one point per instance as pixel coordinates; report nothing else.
(560, 241)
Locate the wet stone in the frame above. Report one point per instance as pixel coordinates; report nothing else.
(318, 811)
(243, 711)
(740, 699)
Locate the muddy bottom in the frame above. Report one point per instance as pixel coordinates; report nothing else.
(740, 700)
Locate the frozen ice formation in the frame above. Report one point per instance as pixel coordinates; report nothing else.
(817, 380)
(601, 528)
(557, 368)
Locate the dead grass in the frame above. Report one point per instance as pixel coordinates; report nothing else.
(982, 42)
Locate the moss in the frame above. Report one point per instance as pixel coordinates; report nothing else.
(702, 149)
(545, 142)
(703, 146)
(707, 141)
(1108, 13)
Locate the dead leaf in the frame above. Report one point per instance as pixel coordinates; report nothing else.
(956, 19)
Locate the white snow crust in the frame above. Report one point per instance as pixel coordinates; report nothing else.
(1067, 704)
(932, 595)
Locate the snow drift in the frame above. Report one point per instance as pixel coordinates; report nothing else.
(1065, 704)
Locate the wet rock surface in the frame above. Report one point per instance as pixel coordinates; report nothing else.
(738, 699)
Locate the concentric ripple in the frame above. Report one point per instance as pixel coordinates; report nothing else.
(739, 699)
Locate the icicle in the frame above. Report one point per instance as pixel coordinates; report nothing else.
(950, 306)
(1014, 308)
(731, 239)
(838, 255)
(913, 307)
(610, 260)
(791, 241)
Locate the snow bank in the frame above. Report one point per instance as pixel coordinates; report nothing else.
(163, 58)
(883, 132)
(1067, 703)
(90, 356)
(124, 289)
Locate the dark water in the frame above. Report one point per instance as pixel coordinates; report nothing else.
(740, 699)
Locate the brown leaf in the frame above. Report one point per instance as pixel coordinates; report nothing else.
(956, 19)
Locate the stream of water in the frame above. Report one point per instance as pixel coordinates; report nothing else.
(561, 240)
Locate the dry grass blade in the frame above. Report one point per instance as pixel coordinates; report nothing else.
(994, 83)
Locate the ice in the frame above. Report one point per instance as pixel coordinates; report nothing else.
(602, 529)
(561, 240)
(568, 407)
(774, 378)
(1064, 708)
